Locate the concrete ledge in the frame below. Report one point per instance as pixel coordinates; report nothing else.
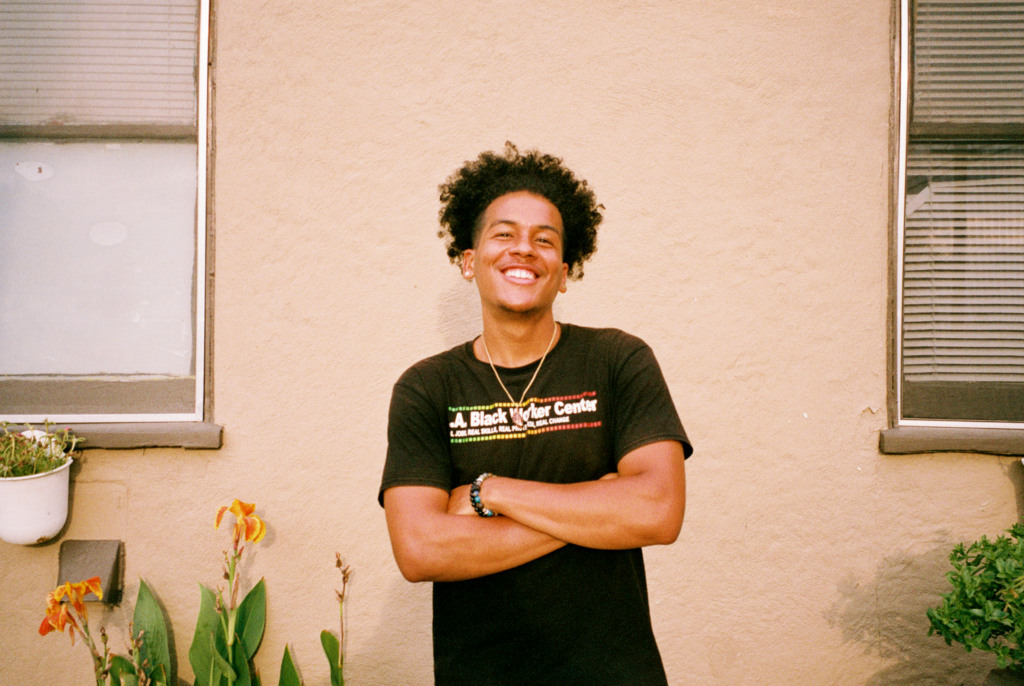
(194, 435)
(926, 439)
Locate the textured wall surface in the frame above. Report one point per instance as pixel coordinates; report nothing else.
(742, 152)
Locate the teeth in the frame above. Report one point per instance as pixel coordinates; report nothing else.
(520, 274)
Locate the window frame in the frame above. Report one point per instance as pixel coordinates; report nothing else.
(193, 429)
(907, 435)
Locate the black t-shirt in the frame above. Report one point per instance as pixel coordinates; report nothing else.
(577, 615)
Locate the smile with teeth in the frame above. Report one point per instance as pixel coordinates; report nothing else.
(518, 273)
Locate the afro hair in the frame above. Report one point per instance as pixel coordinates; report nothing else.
(469, 191)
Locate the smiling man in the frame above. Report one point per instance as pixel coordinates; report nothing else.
(528, 467)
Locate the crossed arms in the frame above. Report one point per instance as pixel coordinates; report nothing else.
(437, 536)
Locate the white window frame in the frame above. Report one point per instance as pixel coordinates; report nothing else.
(151, 423)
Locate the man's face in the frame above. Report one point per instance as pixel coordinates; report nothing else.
(517, 259)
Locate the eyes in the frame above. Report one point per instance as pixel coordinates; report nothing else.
(545, 237)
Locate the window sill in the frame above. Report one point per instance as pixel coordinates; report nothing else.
(191, 435)
(927, 439)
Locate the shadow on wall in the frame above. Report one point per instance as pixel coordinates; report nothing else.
(887, 616)
(458, 312)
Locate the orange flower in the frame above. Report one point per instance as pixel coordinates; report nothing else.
(58, 616)
(83, 588)
(56, 613)
(247, 525)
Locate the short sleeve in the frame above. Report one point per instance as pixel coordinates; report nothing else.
(418, 452)
(644, 412)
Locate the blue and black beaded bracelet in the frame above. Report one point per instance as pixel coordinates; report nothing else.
(474, 496)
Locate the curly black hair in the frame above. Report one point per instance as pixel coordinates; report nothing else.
(468, 192)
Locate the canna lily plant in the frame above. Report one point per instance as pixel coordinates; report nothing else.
(228, 633)
(334, 646)
(148, 662)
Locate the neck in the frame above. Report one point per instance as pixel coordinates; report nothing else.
(517, 343)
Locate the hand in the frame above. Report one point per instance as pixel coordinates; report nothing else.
(459, 503)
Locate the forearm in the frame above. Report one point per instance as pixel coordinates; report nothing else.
(596, 514)
(643, 506)
(432, 545)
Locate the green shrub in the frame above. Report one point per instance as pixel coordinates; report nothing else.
(985, 609)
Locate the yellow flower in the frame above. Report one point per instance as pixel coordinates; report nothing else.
(247, 525)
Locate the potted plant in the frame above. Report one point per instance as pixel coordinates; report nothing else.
(35, 468)
(985, 608)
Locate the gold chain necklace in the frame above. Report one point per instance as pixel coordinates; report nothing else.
(517, 413)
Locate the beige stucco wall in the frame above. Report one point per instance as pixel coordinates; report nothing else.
(742, 152)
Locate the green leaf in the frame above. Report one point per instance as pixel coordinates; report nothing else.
(201, 654)
(149, 621)
(241, 664)
(120, 667)
(333, 651)
(224, 667)
(252, 617)
(289, 675)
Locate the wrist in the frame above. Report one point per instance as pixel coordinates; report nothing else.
(476, 499)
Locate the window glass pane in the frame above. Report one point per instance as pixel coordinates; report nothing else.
(97, 258)
(963, 282)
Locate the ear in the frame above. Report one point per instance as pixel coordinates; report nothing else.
(467, 264)
(562, 286)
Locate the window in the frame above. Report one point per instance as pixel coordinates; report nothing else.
(960, 300)
(103, 167)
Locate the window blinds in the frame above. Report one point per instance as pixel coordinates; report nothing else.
(92, 62)
(968, 62)
(963, 288)
(963, 234)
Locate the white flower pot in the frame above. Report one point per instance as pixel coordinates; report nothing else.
(33, 508)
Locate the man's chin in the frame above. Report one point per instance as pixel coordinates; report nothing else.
(524, 309)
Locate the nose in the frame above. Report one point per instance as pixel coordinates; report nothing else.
(522, 244)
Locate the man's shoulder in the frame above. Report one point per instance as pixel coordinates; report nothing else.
(607, 337)
(430, 368)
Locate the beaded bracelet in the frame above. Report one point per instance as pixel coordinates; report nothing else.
(474, 496)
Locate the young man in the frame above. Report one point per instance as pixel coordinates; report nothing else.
(528, 467)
